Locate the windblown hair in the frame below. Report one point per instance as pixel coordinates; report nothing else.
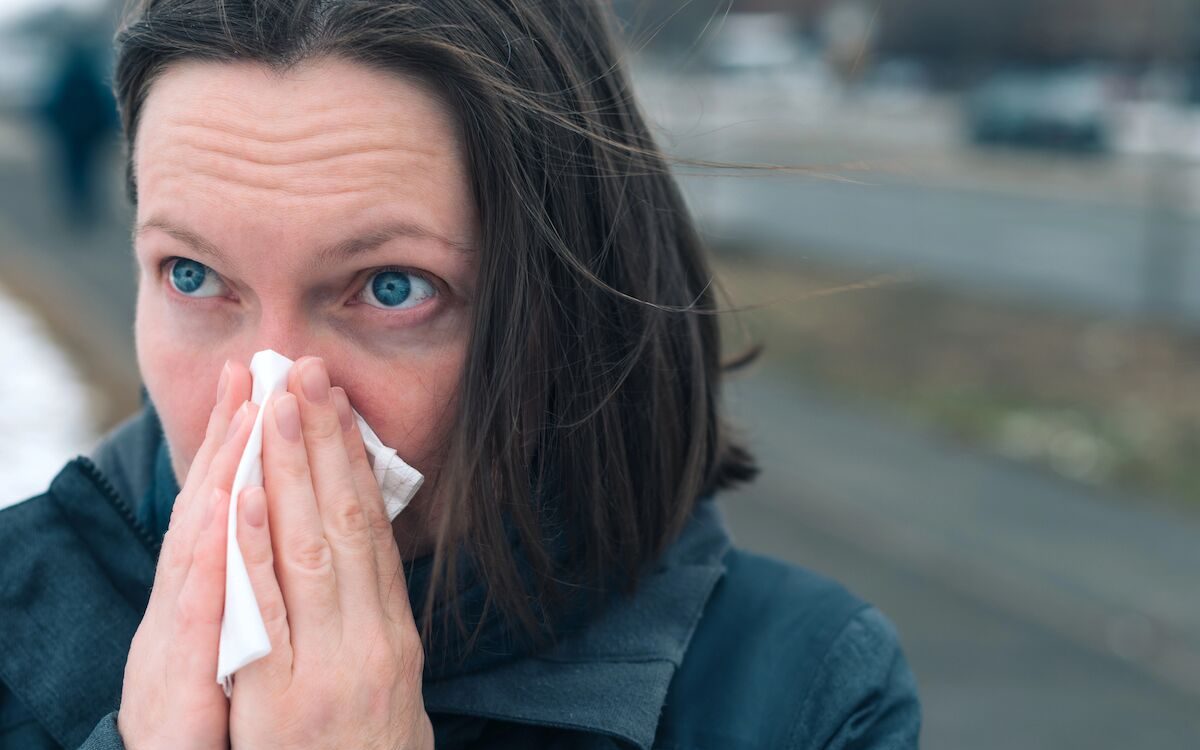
(588, 416)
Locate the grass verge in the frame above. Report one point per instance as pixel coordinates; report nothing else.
(1105, 402)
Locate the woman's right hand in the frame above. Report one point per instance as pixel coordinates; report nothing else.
(170, 698)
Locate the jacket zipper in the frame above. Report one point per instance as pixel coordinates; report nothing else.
(148, 540)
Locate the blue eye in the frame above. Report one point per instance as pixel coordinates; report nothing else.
(194, 279)
(396, 290)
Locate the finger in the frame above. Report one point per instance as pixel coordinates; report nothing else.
(201, 600)
(342, 514)
(303, 560)
(233, 390)
(181, 538)
(254, 541)
(393, 589)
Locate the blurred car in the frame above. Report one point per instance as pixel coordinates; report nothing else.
(754, 42)
(900, 85)
(1066, 110)
(759, 65)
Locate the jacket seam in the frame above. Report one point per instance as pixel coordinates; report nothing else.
(119, 504)
(793, 733)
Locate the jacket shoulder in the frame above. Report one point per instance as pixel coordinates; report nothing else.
(18, 727)
(74, 578)
(786, 658)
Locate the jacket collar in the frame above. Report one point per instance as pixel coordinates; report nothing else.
(612, 676)
(127, 458)
(67, 643)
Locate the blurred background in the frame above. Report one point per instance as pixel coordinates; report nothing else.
(977, 280)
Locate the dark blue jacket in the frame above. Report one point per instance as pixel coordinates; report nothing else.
(718, 648)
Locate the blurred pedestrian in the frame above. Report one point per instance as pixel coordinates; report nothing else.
(81, 118)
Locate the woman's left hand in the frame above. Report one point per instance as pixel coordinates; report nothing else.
(346, 659)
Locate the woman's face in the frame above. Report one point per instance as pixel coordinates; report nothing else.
(323, 212)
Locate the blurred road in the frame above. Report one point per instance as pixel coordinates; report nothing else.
(1036, 613)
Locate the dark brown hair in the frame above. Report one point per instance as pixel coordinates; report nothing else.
(588, 418)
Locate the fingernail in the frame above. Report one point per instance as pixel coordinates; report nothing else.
(315, 381)
(256, 507)
(342, 402)
(236, 422)
(223, 383)
(287, 417)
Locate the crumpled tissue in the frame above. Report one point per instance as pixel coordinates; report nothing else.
(243, 635)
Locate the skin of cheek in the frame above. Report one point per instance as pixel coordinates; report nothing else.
(180, 380)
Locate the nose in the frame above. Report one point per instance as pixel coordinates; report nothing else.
(288, 333)
(292, 334)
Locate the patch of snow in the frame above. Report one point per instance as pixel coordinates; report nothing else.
(45, 406)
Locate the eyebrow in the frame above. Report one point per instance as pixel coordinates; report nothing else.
(341, 251)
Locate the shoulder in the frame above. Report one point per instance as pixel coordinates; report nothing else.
(18, 524)
(76, 575)
(785, 658)
(29, 529)
(79, 524)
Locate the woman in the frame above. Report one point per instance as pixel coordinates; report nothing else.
(451, 213)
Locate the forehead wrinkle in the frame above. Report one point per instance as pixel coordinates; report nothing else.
(371, 164)
(374, 154)
(260, 131)
(282, 106)
(265, 128)
(323, 141)
(384, 171)
(292, 193)
(300, 118)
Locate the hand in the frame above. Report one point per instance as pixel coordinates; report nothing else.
(170, 698)
(346, 659)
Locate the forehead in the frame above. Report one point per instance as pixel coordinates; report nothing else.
(326, 140)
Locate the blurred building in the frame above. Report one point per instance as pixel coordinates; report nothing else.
(1043, 31)
(970, 35)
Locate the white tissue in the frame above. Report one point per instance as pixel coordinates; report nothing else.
(243, 635)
